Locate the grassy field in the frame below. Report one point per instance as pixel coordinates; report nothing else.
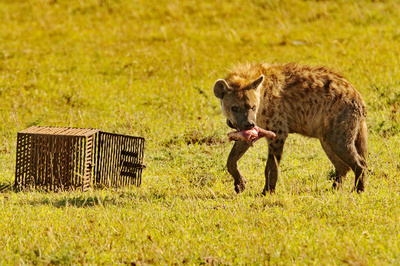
(146, 68)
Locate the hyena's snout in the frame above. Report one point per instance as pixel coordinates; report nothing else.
(246, 121)
(243, 123)
(248, 125)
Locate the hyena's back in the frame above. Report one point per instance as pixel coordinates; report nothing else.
(319, 99)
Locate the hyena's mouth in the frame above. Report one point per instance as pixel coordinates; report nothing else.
(251, 135)
(231, 125)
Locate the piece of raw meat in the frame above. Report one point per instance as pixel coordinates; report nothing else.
(251, 135)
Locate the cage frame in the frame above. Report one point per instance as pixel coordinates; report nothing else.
(66, 158)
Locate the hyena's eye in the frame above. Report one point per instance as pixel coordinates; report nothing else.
(235, 109)
(253, 108)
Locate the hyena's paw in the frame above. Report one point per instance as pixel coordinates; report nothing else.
(358, 188)
(336, 185)
(240, 186)
(268, 191)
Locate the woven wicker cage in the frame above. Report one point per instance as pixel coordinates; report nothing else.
(58, 159)
(119, 160)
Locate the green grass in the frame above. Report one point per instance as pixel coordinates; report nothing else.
(146, 68)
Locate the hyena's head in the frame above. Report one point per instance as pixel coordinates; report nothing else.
(239, 102)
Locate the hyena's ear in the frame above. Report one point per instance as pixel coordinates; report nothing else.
(257, 82)
(221, 87)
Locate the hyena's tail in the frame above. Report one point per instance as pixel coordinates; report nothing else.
(362, 140)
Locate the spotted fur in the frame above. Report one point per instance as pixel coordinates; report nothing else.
(289, 98)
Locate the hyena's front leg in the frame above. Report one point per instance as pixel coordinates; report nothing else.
(275, 148)
(238, 149)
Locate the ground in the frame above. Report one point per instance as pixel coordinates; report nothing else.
(119, 66)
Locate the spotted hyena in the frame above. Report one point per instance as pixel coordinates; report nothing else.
(291, 98)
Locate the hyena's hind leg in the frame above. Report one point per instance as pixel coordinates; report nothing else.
(350, 146)
(341, 169)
